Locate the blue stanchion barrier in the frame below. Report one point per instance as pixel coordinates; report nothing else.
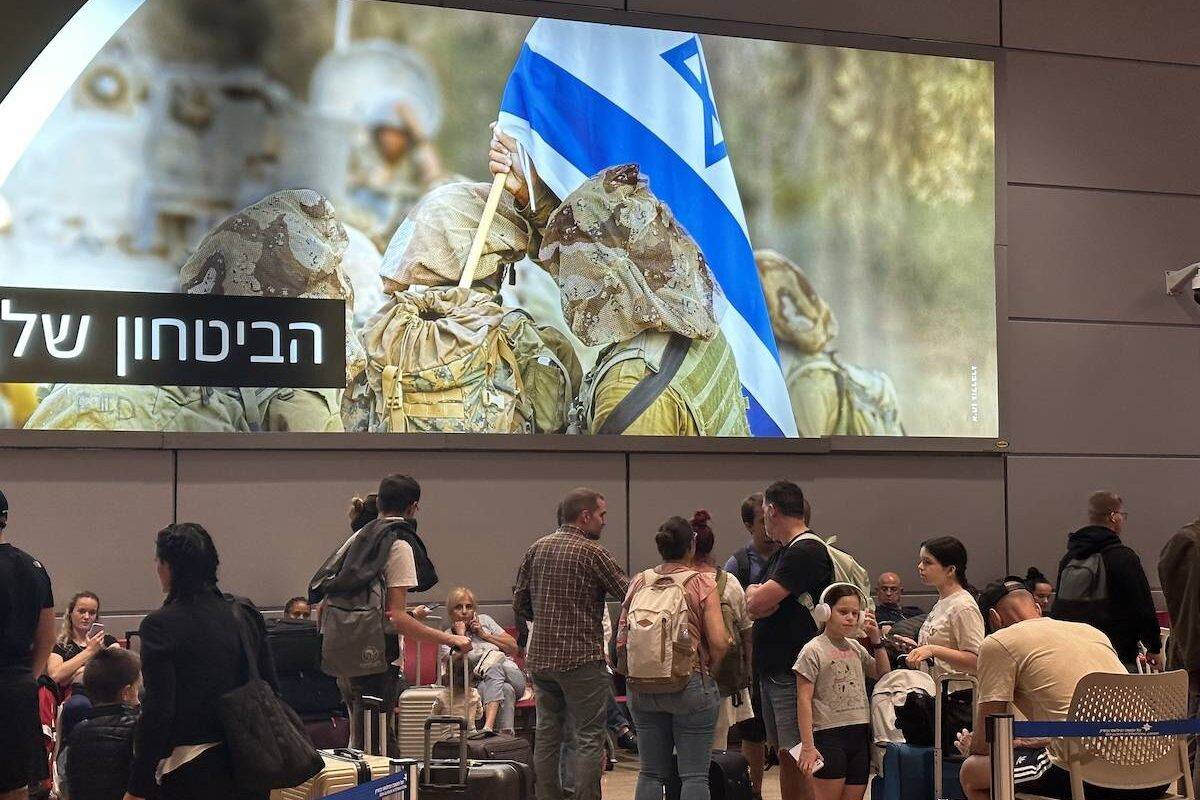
(1167, 727)
(392, 787)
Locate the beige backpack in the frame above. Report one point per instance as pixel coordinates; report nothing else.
(659, 654)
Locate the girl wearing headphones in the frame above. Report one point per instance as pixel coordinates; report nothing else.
(832, 704)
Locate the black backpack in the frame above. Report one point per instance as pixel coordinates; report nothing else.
(741, 558)
(1082, 594)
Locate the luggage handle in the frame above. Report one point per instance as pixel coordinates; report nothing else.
(461, 723)
(374, 706)
(466, 679)
(942, 689)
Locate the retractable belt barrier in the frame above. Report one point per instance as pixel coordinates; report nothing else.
(1077, 730)
(1002, 729)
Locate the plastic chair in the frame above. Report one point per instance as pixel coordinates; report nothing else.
(1129, 762)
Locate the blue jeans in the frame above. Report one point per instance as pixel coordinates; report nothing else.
(679, 723)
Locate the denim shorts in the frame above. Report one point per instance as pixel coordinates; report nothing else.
(779, 709)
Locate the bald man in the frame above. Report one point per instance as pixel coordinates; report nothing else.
(888, 593)
(1033, 663)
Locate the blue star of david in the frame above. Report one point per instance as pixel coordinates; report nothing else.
(697, 78)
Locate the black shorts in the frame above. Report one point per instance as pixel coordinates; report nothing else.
(20, 732)
(1034, 773)
(846, 752)
(752, 730)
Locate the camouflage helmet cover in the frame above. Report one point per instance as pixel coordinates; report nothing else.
(289, 244)
(798, 314)
(430, 248)
(624, 264)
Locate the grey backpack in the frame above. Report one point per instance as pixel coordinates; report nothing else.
(354, 632)
(1083, 591)
(354, 627)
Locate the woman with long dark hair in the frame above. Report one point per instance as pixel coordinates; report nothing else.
(953, 631)
(192, 654)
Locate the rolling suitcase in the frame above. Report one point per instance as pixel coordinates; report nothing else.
(463, 779)
(728, 778)
(346, 768)
(908, 774)
(416, 706)
(947, 764)
(497, 747)
(494, 747)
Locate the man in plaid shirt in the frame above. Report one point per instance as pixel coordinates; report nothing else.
(561, 587)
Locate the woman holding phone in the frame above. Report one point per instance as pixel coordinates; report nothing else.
(79, 639)
(499, 680)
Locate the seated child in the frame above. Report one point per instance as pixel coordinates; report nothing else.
(95, 759)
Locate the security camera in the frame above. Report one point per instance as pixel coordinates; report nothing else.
(1180, 279)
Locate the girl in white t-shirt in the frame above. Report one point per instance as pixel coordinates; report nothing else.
(953, 631)
(833, 709)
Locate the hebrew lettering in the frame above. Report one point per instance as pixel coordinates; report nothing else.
(315, 330)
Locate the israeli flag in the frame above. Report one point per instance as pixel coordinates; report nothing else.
(583, 97)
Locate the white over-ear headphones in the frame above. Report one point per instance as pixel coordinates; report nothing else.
(822, 611)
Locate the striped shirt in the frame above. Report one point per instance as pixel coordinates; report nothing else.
(561, 587)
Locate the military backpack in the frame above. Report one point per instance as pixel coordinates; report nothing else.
(866, 399)
(453, 360)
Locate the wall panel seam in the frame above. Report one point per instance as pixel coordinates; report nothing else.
(1125, 323)
(1109, 189)
(1155, 456)
(1098, 56)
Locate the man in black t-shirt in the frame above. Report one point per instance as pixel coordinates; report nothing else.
(26, 636)
(796, 574)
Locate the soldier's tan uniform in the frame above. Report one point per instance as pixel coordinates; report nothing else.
(630, 277)
(290, 244)
(828, 396)
(447, 359)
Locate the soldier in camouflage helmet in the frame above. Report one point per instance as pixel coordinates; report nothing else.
(828, 395)
(632, 279)
(290, 244)
(448, 359)
(391, 170)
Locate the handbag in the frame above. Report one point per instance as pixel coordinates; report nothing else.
(915, 718)
(266, 740)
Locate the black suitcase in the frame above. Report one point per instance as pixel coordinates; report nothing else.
(728, 778)
(295, 645)
(498, 747)
(460, 778)
(311, 694)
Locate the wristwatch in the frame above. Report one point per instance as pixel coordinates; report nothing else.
(872, 646)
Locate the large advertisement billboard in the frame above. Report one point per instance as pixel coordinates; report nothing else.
(527, 226)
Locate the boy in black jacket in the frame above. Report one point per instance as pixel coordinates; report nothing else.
(1127, 615)
(96, 756)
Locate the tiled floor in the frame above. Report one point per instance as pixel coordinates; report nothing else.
(619, 784)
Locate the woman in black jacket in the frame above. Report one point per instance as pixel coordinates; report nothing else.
(191, 655)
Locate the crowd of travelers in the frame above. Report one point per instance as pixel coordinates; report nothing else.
(777, 648)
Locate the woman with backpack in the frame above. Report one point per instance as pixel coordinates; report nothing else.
(670, 634)
(733, 674)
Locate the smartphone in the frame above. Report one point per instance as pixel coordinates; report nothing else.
(97, 627)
